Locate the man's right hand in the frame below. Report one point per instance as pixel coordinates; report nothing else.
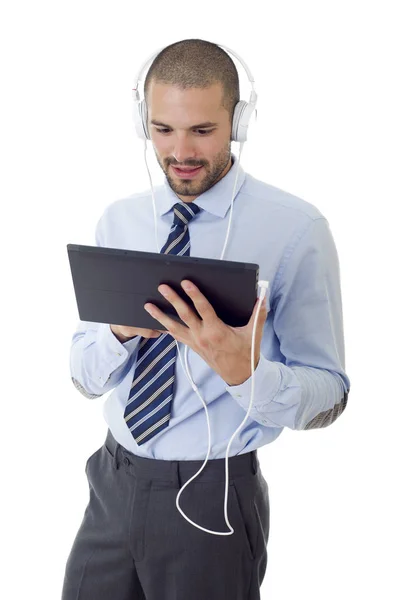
(124, 333)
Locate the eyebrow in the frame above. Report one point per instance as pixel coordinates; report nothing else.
(198, 126)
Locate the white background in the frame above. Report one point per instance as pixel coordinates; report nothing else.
(328, 131)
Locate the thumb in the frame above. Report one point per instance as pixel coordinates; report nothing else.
(262, 315)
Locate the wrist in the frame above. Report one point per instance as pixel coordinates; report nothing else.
(241, 375)
(120, 337)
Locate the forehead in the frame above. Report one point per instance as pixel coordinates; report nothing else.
(170, 101)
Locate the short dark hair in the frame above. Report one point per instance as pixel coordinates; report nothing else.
(195, 63)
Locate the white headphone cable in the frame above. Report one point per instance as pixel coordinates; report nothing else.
(264, 286)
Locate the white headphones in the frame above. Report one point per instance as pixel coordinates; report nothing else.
(241, 117)
(240, 123)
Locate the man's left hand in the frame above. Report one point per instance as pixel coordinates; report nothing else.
(227, 350)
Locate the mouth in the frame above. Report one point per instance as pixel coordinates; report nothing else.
(187, 172)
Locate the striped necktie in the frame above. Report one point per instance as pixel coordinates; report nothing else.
(148, 409)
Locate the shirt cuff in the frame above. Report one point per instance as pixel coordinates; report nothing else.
(113, 352)
(267, 381)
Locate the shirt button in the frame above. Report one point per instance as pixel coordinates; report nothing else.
(126, 461)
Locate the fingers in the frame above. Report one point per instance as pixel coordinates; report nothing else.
(149, 333)
(183, 310)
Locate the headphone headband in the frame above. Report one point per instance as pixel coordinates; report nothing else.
(242, 113)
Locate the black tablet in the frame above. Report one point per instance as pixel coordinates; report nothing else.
(113, 285)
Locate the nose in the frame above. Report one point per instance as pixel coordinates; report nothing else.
(183, 149)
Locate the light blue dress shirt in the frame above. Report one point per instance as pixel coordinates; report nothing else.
(300, 380)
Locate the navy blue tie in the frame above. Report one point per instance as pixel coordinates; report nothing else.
(148, 409)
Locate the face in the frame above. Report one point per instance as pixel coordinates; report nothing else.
(189, 128)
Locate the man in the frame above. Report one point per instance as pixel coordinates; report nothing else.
(133, 542)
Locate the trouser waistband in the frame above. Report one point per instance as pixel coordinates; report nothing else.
(179, 471)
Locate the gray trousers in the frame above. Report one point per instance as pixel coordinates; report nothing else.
(134, 544)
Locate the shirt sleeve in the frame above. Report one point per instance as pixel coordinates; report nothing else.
(309, 388)
(98, 360)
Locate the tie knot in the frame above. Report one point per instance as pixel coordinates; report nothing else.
(185, 212)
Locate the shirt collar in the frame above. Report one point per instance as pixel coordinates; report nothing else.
(215, 200)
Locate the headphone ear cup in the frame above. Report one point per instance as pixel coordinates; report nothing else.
(241, 118)
(140, 118)
(144, 118)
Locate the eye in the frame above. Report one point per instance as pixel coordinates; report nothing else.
(200, 131)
